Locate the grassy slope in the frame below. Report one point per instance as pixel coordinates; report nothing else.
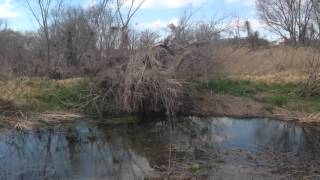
(38, 95)
(271, 95)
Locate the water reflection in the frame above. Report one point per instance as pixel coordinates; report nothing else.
(78, 152)
(96, 150)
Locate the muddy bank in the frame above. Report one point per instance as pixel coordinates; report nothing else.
(211, 104)
(218, 105)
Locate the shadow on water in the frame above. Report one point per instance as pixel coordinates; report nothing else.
(221, 148)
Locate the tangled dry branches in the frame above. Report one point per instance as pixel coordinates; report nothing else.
(143, 84)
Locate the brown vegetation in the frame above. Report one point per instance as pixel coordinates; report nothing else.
(212, 104)
(275, 64)
(141, 84)
(36, 120)
(311, 85)
(137, 72)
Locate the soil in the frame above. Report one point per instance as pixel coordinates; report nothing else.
(212, 104)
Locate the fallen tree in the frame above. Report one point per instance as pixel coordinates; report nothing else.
(142, 84)
(147, 81)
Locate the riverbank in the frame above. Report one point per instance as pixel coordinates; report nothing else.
(250, 99)
(52, 101)
(220, 105)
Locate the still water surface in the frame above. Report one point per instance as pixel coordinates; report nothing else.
(207, 148)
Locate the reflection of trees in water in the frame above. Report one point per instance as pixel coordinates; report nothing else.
(311, 140)
(128, 151)
(214, 133)
(21, 149)
(287, 137)
(209, 131)
(51, 155)
(277, 135)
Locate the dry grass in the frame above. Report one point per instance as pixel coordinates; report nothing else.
(311, 86)
(29, 121)
(143, 84)
(276, 78)
(275, 64)
(147, 86)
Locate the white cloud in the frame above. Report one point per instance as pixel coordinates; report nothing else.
(157, 25)
(244, 2)
(7, 9)
(89, 3)
(162, 4)
(154, 4)
(257, 25)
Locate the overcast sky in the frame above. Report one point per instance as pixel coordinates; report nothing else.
(155, 14)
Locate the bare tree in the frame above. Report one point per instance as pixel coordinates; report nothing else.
(41, 11)
(288, 18)
(126, 9)
(73, 35)
(102, 18)
(186, 31)
(181, 34)
(15, 53)
(148, 38)
(212, 30)
(316, 18)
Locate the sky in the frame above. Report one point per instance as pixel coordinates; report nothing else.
(154, 14)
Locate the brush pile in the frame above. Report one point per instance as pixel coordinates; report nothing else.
(142, 84)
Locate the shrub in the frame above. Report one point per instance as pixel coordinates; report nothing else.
(141, 85)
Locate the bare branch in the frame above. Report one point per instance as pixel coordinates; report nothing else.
(41, 11)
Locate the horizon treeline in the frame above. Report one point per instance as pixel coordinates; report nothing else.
(73, 40)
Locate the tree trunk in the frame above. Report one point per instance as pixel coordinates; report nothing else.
(124, 44)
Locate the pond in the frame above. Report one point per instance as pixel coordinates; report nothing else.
(158, 148)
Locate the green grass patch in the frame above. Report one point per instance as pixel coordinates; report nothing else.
(57, 97)
(271, 95)
(275, 100)
(245, 87)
